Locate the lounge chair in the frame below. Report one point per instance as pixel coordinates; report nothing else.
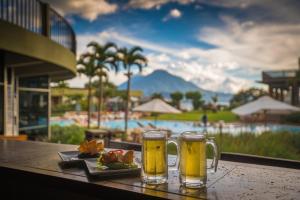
(140, 124)
(152, 126)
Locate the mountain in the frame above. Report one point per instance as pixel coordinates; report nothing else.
(161, 81)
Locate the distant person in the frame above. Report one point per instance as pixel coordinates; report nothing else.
(204, 120)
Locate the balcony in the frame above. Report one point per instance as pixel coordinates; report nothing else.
(39, 18)
(36, 40)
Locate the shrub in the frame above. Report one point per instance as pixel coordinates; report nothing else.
(67, 135)
(272, 144)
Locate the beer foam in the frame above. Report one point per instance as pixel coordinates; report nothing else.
(154, 136)
(193, 137)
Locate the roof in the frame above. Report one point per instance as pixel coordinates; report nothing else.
(265, 104)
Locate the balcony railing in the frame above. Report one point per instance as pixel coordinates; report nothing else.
(40, 18)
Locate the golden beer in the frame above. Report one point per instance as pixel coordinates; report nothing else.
(192, 165)
(193, 159)
(154, 158)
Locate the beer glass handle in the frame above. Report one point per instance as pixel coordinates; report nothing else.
(214, 164)
(176, 165)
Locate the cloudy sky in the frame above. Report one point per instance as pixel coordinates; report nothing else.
(220, 45)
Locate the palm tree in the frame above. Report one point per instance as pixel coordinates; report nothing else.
(87, 66)
(105, 60)
(130, 58)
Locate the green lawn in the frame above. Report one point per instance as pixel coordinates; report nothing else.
(277, 145)
(227, 116)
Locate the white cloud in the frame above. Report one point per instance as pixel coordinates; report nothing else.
(243, 50)
(150, 4)
(234, 4)
(174, 13)
(257, 46)
(192, 64)
(88, 9)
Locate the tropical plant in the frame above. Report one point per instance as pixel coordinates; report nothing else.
(176, 98)
(196, 98)
(109, 90)
(87, 65)
(129, 58)
(157, 96)
(67, 135)
(105, 61)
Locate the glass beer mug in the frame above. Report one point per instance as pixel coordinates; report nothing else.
(192, 159)
(154, 157)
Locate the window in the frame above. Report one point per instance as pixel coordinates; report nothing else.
(33, 106)
(1, 109)
(1, 99)
(34, 82)
(33, 109)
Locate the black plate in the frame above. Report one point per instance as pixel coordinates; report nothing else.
(94, 172)
(70, 159)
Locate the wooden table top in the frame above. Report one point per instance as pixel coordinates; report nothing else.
(232, 180)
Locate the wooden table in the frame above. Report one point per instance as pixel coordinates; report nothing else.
(31, 169)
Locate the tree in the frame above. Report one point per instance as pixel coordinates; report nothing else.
(176, 98)
(245, 96)
(105, 61)
(157, 96)
(214, 100)
(87, 66)
(75, 97)
(62, 85)
(129, 58)
(109, 90)
(196, 98)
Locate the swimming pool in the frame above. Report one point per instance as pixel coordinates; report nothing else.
(62, 122)
(180, 126)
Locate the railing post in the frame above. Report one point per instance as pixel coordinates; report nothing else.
(45, 19)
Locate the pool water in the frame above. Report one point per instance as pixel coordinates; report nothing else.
(180, 126)
(62, 122)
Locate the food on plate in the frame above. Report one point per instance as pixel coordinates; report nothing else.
(90, 149)
(116, 159)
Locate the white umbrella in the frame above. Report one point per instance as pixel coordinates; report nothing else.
(156, 106)
(265, 105)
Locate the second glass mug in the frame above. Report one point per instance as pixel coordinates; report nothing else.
(191, 158)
